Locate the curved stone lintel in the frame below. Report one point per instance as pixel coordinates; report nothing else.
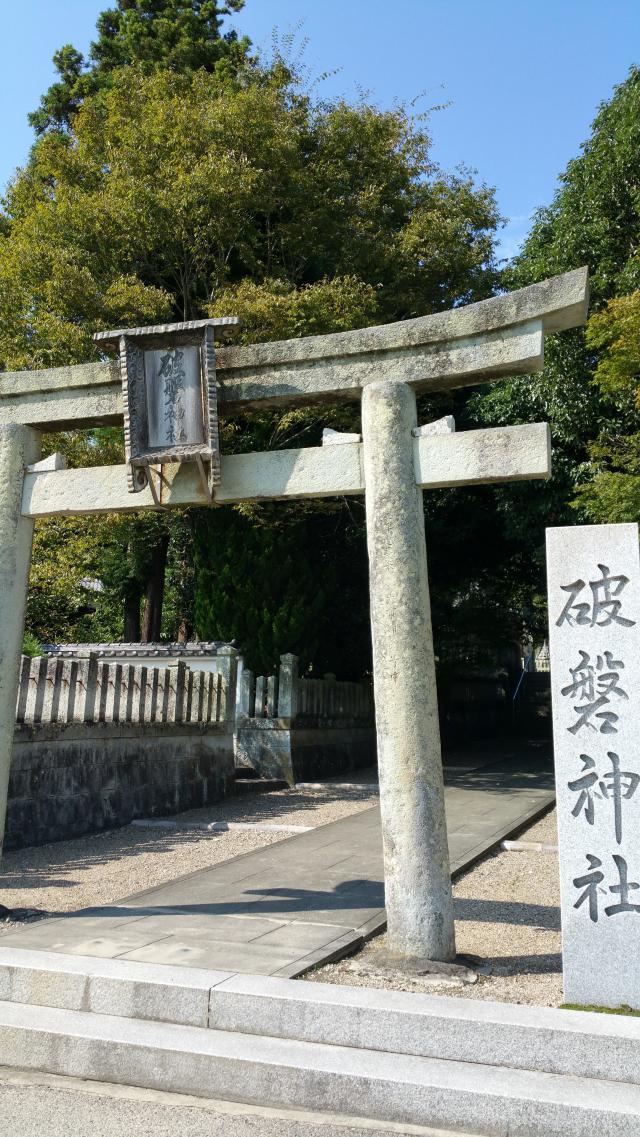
(475, 343)
(559, 302)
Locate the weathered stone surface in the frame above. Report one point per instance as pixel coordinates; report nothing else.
(594, 622)
(470, 457)
(461, 1030)
(18, 447)
(417, 872)
(481, 341)
(87, 393)
(198, 653)
(275, 750)
(502, 1034)
(107, 986)
(70, 779)
(283, 1072)
(52, 462)
(338, 437)
(444, 425)
(480, 457)
(430, 973)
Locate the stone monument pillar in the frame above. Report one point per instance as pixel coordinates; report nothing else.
(416, 858)
(19, 446)
(594, 622)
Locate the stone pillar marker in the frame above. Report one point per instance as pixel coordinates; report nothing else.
(416, 857)
(594, 622)
(19, 446)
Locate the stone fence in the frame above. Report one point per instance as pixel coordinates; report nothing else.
(90, 690)
(106, 735)
(98, 743)
(300, 729)
(286, 695)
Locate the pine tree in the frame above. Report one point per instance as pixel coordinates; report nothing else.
(181, 35)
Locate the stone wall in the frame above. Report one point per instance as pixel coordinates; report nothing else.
(75, 778)
(98, 743)
(301, 729)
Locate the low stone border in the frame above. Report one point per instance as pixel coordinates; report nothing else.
(496, 1068)
(218, 826)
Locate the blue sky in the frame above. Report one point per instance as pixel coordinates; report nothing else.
(523, 78)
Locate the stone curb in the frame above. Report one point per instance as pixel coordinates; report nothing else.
(528, 847)
(538, 1039)
(108, 986)
(547, 1040)
(282, 1073)
(218, 826)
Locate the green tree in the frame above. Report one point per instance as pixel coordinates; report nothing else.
(612, 493)
(184, 35)
(176, 195)
(585, 390)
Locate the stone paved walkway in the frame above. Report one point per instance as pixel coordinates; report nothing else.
(297, 903)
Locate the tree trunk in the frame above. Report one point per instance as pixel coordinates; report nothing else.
(152, 618)
(132, 618)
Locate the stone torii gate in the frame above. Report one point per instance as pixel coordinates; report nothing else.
(395, 461)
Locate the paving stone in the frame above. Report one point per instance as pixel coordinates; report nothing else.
(264, 911)
(234, 929)
(215, 955)
(304, 936)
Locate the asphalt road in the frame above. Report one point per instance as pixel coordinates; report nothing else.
(42, 1105)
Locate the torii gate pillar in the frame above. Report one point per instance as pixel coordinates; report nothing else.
(414, 833)
(19, 446)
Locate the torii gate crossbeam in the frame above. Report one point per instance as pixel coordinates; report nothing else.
(395, 461)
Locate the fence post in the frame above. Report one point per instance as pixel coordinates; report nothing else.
(23, 688)
(240, 687)
(245, 694)
(228, 668)
(288, 686)
(181, 681)
(272, 696)
(261, 687)
(91, 688)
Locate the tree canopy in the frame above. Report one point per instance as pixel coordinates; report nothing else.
(175, 176)
(184, 35)
(173, 195)
(588, 388)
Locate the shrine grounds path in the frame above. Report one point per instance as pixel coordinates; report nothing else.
(303, 901)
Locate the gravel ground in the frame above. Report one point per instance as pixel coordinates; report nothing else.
(507, 913)
(507, 907)
(104, 867)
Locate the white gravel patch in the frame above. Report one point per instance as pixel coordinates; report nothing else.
(103, 868)
(507, 913)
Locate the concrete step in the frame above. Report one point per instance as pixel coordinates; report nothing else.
(541, 1039)
(487, 1099)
